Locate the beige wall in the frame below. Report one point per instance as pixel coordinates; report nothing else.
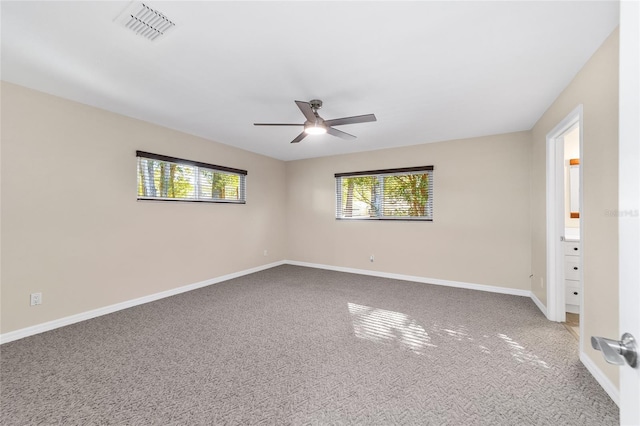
(596, 88)
(480, 233)
(73, 230)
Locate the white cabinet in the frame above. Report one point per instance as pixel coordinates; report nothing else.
(572, 284)
(572, 268)
(572, 248)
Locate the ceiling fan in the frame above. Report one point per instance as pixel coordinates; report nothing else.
(316, 125)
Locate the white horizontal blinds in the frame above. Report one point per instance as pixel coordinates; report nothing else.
(173, 179)
(220, 186)
(405, 194)
(358, 197)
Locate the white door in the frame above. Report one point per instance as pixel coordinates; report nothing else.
(629, 204)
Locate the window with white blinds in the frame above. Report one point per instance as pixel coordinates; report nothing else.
(174, 179)
(394, 194)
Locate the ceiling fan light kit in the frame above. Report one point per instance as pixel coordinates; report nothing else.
(316, 125)
(315, 129)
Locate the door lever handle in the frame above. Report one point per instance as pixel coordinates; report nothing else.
(617, 352)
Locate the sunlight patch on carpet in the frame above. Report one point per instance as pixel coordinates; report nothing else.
(382, 326)
(520, 354)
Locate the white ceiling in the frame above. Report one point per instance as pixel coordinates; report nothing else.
(430, 71)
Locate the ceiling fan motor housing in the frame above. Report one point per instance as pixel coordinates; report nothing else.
(316, 104)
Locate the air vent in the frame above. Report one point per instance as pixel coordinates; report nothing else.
(146, 22)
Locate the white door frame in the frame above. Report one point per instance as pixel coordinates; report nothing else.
(629, 202)
(555, 216)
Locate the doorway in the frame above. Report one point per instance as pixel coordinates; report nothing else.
(564, 234)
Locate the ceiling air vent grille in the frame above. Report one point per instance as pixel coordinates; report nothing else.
(147, 22)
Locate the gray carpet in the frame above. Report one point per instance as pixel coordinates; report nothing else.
(297, 346)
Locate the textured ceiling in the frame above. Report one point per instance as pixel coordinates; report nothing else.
(430, 71)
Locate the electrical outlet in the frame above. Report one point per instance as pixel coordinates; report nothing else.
(36, 299)
(266, 253)
(541, 282)
(371, 258)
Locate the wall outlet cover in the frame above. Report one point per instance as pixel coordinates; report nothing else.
(36, 299)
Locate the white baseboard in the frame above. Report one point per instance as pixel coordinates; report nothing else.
(600, 377)
(539, 304)
(436, 281)
(72, 319)
(573, 309)
(51, 325)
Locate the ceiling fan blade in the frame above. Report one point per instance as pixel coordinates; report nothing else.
(340, 133)
(299, 137)
(277, 124)
(306, 109)
(351, 120)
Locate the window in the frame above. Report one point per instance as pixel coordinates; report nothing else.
(395, 194)
(174, 179)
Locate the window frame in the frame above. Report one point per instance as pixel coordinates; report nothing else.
(200, 165)
(381, 174)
